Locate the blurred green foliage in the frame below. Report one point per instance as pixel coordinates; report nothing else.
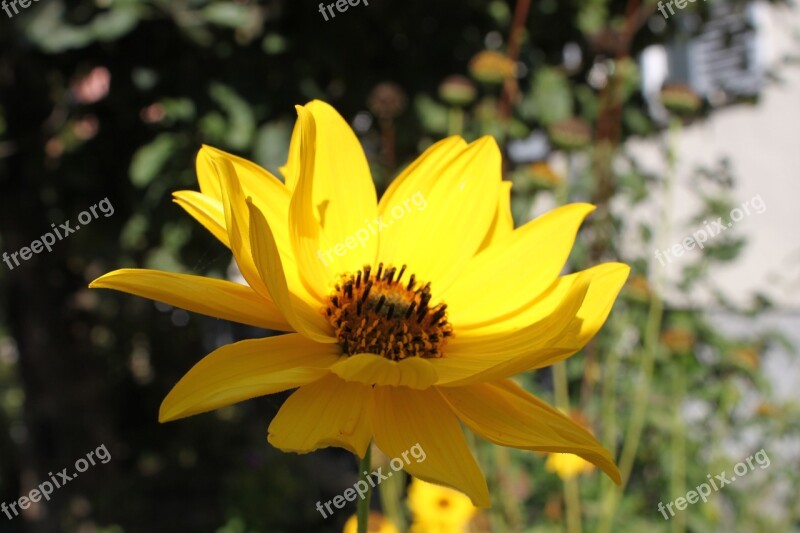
(113, 98)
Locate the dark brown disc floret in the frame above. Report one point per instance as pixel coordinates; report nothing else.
(377, 312)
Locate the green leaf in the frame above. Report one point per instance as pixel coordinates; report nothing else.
(149, 159)
(241, 124)
(113, 24)
(636, 121)
(271, 145)
(432, 115)
(550, 98)
(228, 15)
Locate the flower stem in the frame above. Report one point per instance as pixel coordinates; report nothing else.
(455, 121)
(362, 507)
(678, 470)
(651, 344)
(391, 492)
(572, 500)
(571, 492)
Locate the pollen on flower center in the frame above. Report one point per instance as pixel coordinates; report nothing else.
(383, 315)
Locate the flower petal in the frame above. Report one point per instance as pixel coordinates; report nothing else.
(505, 277)
(207, 296)
(296, 305)
(274, 206)
(469, 356)
(245, 370)
(404, 417)
(460, 191)
(371, 369)
(291, 170)
(269, 194)
(206, 210)
(594, 290)
(328, 412)
(503, 223)
(605, 279)
(237, 222)
(505, 414)
(333, 198)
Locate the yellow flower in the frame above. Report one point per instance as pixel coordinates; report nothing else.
(405, 316)
(543, 174)
(567, 465)
(438, 509)
(492, 67)
(680, 99)
(638, 288)
(376, 523)
(746, 356)
(678, 339)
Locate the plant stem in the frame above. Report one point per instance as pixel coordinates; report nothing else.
(608, 401)
(651, 343)
(391, 492)
(510, 87)
(678, 469)
(571, 492)
(455, 121)
(362, 507)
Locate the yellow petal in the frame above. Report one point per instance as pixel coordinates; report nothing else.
(605, 279)
(470, 357)
(207, 296)
(472, 349)
(333, 200)
(237, 222)
(504, 413)
(245, 370)
(505, 277)
(503, 223)
(206, 210)
(441, 209)
(328, 412)
(291, 170)
(296, 305)
(267, 192)
(371, 369)
(404, 417)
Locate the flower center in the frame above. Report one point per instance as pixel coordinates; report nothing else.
(382, 315)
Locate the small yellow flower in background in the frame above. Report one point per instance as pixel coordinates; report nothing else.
(570, 134)
(376, 523)
(404, 318)
(457, 90)
(438, 509)
(768, 409)
(543, 174)
(678, 340)
(638, 288)
(492, 67)
(746, 356)
(567, 465)
(680, 99)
